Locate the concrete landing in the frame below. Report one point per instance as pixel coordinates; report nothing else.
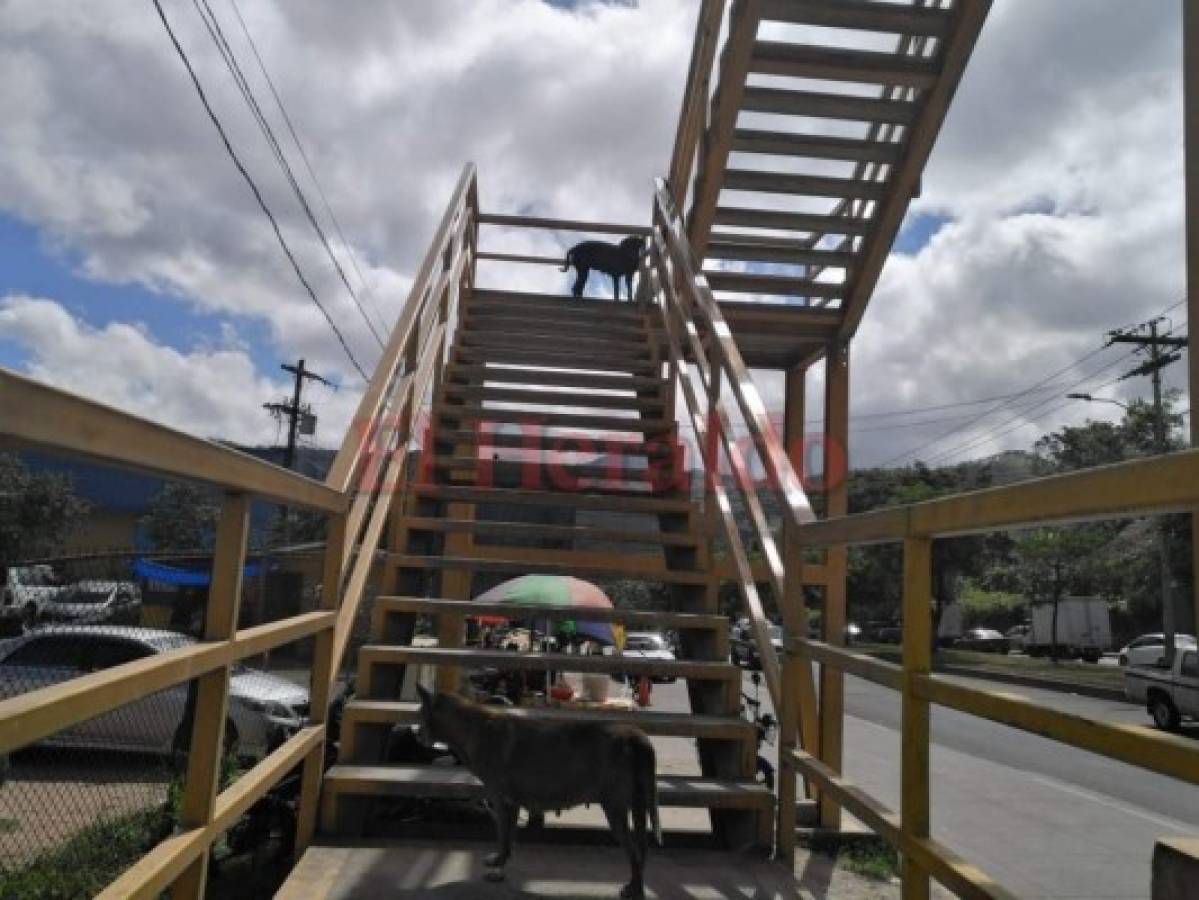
(454, 871)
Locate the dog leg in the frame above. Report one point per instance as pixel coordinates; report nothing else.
(505, 814)
(581, 274)
(618, 821)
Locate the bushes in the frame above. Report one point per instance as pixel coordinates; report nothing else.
(90, 860)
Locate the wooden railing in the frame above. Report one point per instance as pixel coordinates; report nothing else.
(1143, 487)
(722, 405)
(356, 497)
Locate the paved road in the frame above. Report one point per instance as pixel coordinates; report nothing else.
(1044, 819)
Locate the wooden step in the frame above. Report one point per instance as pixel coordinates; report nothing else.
(460, 494)
(781, 101)
(562, 359)
(472, 413)
(476, 374)
(561, 475)
(453, 782)
(808, 185)
(780, 285)
(381, 655)
(842, 64)
(778, 250)
(603, 310)
(537, 530)
(864, 15)
(508, 562)
(380, 716)
(635, 349)
(493, 318)
(541, 396)
(789, 221)
(542, 441)
(815, 146)
(632, 619)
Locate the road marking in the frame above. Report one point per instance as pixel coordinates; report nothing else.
(1114, 804)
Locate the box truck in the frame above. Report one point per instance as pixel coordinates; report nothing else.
(1084, 629)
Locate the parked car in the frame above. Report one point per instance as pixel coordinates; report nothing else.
(744, 648)
(1084, 629)
(648, 645)
(1168, 694)
(1017, 637)
(94, 602)
(263, 708)
(1150, 649)
(983, 640)
(27, 589)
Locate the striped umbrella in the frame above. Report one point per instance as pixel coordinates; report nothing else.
(560, 591)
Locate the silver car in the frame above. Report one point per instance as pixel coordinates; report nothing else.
(263, 708)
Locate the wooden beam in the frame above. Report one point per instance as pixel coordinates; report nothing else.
(782, 101)
(777, 220)
(38, 415)
(968, 18)
(776, 250)
(840, 64)
(781, 285)
(815, 146)
(915, 735)
(718, 140)
(864, 15)
(811, 185)
(692, 113)
(483, 256)
(561, 224)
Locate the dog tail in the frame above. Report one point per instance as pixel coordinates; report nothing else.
(569, 260)
(645, 785)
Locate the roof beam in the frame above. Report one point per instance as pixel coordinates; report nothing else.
(798, 253)
(815, 146)
(779, 285)
(811, 185)
(789, 221)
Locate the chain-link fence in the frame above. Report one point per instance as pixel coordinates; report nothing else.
(79, 807)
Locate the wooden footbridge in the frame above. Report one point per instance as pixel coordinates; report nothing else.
(626, 440)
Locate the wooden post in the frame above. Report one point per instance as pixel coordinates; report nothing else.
(917, 661)
(205, 754)
(798, 717)
(836, 454)
(1190, 91)
(323, 679)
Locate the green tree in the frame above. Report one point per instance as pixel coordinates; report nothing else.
(38, 511)
(182, 517)
(1053, 562)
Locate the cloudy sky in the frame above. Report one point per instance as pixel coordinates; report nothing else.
(136, 268)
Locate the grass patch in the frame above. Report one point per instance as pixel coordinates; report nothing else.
(89, 861)
(1066, 671)
(873, 859)
(9, 826)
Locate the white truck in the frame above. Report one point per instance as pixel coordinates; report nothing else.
(1084, 629)
(1167, 693)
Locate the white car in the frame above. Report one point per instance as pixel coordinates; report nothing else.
(27, 589)
(1149, 649)
(263, 708)
(94, 602)
(648, 645)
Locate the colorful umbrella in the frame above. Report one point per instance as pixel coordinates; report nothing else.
(560, 591)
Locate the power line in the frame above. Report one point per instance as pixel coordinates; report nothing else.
(346, 245)
(1043, 384)
(217, 34)
(216, 122)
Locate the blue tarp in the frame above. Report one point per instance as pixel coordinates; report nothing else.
(154, 571)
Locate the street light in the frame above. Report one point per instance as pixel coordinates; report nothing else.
(1091, 399)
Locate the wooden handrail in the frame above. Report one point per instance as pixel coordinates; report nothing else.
(693, 110)
(38, 415)
(561, 224)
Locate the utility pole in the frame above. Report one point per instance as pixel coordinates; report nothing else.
(1163, 350)
(294, 412)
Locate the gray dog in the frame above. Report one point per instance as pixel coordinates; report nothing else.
(618, 260)
(551, 766)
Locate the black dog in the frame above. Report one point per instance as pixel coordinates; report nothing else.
(551, 766)
(618, 260)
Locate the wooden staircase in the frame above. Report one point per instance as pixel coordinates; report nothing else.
(551, 451)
